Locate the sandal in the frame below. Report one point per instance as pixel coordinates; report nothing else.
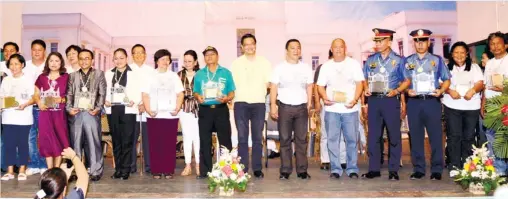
(21, 177)
(186, 171)
(7, 177)
(156, 176)
(168, 176)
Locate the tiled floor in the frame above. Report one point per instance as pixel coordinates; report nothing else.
(319, 186)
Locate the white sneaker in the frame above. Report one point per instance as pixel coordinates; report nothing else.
(42, 171)
(32, 171)
(453, 174)
(7, 177)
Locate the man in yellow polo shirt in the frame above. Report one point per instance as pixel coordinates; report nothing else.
(251, 74)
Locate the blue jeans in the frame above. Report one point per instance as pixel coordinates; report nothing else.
(336, 124)
(36, 160)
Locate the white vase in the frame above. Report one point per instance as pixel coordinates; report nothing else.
(476, 189)
(224, 192)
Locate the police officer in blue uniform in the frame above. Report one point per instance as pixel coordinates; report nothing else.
(424, 105)
(386, 78)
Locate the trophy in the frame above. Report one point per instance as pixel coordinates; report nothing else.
(496, 80)
(83, 101)
(211, 91)
(424, 83)
(378, 83)
(462, 87)
(50, 99)
(161, 100)
(118, 96)
(8, 102)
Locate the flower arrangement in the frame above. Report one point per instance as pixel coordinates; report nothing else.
(227, 173)
(496, 118)
(478, 172)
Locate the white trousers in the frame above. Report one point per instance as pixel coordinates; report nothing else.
(190, 132)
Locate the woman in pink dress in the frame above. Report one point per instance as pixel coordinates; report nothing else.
(53, 131)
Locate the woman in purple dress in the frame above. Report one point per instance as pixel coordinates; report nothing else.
(51, 86)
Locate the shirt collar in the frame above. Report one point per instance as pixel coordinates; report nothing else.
(128, 69)
(89, 71)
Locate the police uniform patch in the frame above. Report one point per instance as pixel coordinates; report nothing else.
(393, 63)
(373, 65)
(433, 63)
(410, 66)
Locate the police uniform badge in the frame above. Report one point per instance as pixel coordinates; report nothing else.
(410, 66)
(420, 32)
(376, 31)
(432, 63)
(373, 65)
(394, 63)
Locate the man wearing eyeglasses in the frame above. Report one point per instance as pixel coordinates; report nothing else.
(86, 94)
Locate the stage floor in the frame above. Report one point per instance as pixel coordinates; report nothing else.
(319, 186)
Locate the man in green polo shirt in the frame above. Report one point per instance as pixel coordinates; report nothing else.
(213, 88)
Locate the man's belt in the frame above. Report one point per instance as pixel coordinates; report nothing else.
(213, 106)
(424, 97)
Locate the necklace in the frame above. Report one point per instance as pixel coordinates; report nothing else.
(117, 80)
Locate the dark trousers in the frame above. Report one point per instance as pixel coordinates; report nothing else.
(255, 114)
(480, 135)
(293, 119)
(210, 118)
(384, 112)
(122, 128)
(144, 140)
(425, 114)
(460, 134)
(15, 144)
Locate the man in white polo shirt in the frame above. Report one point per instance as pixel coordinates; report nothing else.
(291, 99)
(139, 66)
(33, 69)
(342, 76)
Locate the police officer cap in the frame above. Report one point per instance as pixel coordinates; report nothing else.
(420, 34)
(380, 34)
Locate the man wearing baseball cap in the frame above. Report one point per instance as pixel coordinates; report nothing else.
(213, 88)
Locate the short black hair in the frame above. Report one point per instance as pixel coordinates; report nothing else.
(19, 57)
(138, 45)
(86, 50)
(72, 47)
(121, 50)
(496, 34)
(10, 43)
(330, 54)
(161, 53)
(248, 35)
(292, 40)
(40, 42)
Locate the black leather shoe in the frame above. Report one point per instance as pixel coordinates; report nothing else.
(116, 175)
(303, 175)
(393, 175)
(95, 178)
(325, 166)
(371, 174)
(344, 166)
(435, 176)
(335, 175)
(124, 176)
(284, 176)
(353, 175)
(417, 176)
(200, 177)
(273, 155)
(259, 174)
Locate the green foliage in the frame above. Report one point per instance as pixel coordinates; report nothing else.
(494, 120)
